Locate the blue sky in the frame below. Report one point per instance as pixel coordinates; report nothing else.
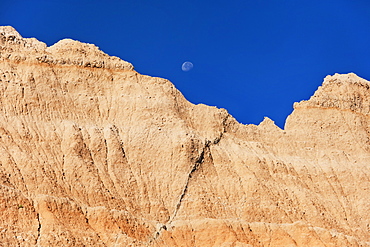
(254, 58)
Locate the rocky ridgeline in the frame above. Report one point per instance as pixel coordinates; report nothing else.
(94, 153)
(65, 52)
(345, 92)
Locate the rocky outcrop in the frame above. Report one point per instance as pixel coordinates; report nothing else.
(65, 52)
(94, 153)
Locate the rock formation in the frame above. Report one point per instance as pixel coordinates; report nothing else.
(93, 153)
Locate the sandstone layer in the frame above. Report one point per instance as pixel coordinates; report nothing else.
(93, 153)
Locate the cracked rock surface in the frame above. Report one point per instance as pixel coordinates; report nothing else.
(93, 153)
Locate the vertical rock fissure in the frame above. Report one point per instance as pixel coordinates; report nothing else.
(38, 230)
(224, 127)
(196, 166)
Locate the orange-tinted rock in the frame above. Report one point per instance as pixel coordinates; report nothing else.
(94, 153)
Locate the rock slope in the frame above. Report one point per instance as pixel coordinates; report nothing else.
(94, 153)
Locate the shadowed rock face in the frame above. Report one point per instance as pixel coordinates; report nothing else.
(93, 153)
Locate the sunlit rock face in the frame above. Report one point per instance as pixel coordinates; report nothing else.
(94, 153)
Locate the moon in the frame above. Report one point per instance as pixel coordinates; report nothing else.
(186, 66)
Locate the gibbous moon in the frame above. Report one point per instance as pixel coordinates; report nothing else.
(187, 66)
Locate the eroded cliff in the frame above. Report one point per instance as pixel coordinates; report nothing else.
(94, 153)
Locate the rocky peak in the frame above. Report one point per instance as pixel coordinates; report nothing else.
(9, 33)
(65, 52)
(341, 91)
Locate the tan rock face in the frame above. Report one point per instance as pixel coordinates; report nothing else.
(93, 153)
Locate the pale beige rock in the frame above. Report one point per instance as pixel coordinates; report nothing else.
(93, 153)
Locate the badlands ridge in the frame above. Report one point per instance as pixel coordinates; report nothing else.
(93, 153)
